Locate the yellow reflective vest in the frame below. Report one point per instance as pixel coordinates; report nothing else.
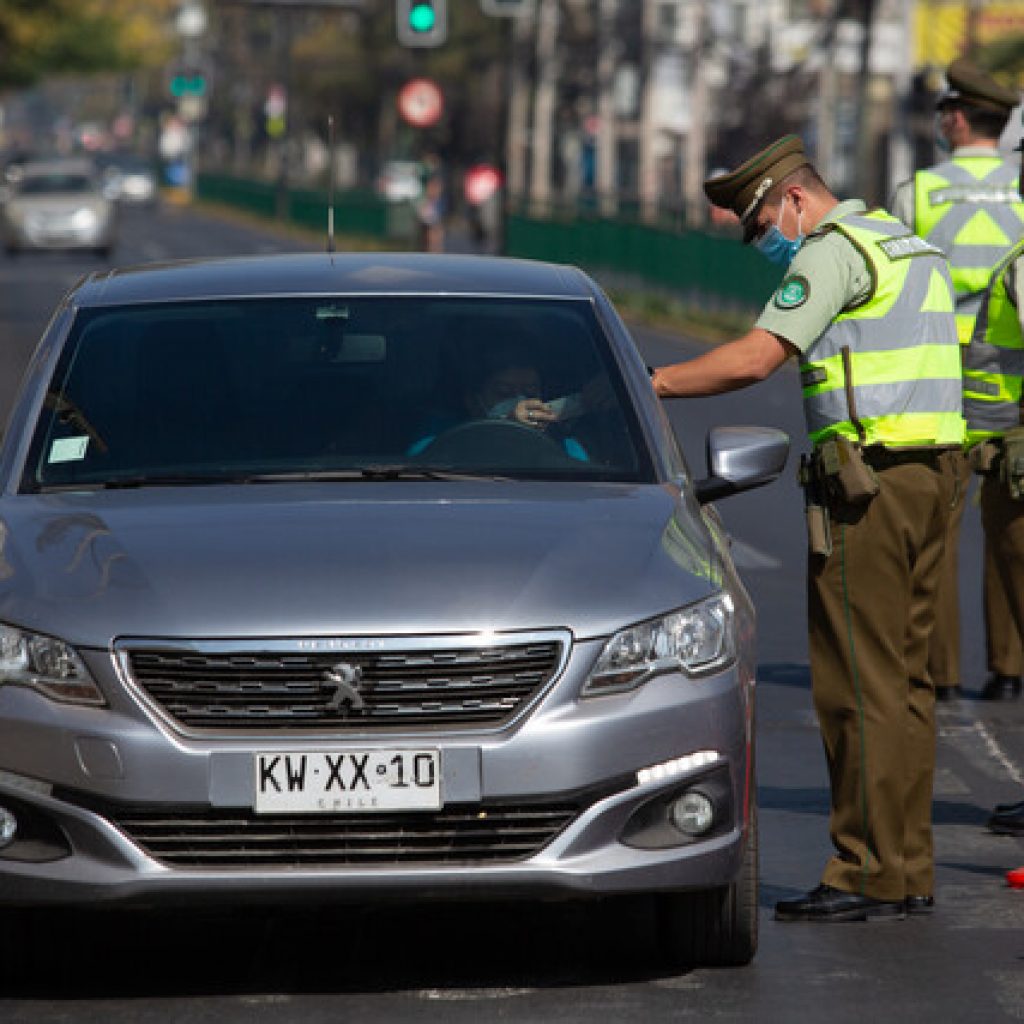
(970, 208)
(994, 360)
(904, 359)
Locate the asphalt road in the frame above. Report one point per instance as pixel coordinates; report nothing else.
(569, 963)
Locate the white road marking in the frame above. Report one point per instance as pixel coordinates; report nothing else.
(975, 738)
(1008, 987)
(462, 995)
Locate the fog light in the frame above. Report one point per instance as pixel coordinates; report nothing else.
(693, 813)
(8, 827)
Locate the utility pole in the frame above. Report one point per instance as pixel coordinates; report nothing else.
(648, 130)
(695, 157)
(517, 143)
(824, 158)
(607, 124)
(901, 149)
(544, 105)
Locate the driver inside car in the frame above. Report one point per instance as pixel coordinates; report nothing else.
(509, 388)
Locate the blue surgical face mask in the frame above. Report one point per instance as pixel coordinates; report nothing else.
(940, 140)
(775, 246)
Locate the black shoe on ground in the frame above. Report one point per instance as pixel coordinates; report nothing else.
(919, 904)
(948, 693)
(826, 904)
(1009, 822)
(999, 687)
(1017, 808)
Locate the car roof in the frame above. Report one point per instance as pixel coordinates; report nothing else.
(59, 165)
(331, 274)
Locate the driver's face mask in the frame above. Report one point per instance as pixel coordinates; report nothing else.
(775, 246)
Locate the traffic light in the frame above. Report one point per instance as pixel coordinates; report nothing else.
(421, 22)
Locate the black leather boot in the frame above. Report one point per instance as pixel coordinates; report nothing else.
(1000, 687)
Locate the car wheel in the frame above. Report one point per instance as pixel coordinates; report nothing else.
(714, 927)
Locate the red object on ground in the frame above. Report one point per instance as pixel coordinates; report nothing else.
(1015, 879)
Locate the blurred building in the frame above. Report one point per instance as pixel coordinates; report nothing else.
(627, 105)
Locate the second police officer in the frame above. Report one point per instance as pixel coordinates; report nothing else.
(969, 207)
(992, 397)
(867, 308)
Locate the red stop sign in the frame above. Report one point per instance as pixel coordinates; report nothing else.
(480, 183)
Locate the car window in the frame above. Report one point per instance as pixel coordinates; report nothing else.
(50, 184)
(249, 388)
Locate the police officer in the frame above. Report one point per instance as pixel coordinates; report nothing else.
(993, 369)
(970, 208)
(867, 308)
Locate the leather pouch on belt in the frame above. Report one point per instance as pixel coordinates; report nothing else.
(852, 479)
(1011, 469)
(983, 457)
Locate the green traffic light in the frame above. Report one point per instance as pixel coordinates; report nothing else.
(422, 18)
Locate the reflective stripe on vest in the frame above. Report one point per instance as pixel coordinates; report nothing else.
(994, 360)
(904, 355)
(971, 209)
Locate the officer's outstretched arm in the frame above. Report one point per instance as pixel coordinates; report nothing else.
(736, 364)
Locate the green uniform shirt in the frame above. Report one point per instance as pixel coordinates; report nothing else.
(827, 275)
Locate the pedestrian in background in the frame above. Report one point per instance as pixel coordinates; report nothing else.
(970, 208)
(867, 308)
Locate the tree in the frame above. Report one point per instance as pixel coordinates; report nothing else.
(42, 37)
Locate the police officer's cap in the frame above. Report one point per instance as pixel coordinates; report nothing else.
(974, 87)
(744, 189)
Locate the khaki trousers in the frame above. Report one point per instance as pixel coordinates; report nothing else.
(1002, 519)
(871, 612)
(944, 645)
(1003, 654)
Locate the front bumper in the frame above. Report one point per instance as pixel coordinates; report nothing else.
(83, 772)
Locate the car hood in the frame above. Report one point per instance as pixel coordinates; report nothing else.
(57, 203)
(349, 559)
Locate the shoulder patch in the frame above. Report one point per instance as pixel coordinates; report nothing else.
(793, 292)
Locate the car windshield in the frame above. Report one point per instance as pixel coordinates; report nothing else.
(52, 184)
(267, 390)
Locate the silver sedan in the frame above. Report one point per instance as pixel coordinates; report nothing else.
(58, 205)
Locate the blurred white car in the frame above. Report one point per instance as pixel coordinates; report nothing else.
(58, 204)
(129, 179)
(400, 181)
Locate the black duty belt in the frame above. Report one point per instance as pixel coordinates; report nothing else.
(878, 457)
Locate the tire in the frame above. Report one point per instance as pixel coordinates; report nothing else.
(714, 927)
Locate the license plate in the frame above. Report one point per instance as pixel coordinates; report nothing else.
(356, 780)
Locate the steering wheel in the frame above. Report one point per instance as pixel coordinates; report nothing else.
(498, 443)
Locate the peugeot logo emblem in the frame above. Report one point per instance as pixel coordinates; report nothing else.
(344, 680)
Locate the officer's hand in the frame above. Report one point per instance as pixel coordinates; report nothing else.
(532, 412)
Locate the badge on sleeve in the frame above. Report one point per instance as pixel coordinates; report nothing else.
(793, 292)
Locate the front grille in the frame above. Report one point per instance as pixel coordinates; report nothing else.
(243, 839)
(389, 689)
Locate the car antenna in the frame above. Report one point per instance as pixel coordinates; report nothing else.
(330, 183)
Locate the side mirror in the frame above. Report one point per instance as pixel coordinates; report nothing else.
(740, 459)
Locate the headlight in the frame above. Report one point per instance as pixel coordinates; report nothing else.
(694, 640)
(84, 218)
(46, 664)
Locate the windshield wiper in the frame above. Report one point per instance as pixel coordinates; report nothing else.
(381, 472)
(119, 483)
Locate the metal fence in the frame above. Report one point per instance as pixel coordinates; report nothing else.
(355, 212)
(705, 270)
(702, 269)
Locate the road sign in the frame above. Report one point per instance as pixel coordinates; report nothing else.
(421, 103)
